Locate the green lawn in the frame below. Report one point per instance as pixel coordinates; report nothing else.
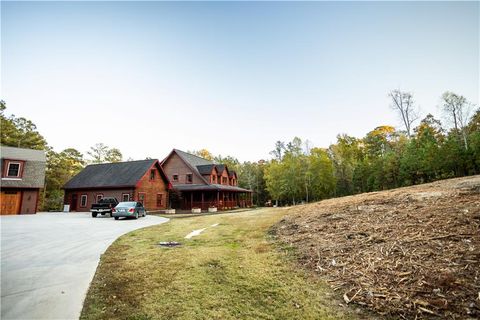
(230, 271)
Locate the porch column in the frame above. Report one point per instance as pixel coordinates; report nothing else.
(191, 200)
(218, 200)
(202, 200)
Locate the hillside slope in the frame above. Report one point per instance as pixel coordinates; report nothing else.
(406, 253)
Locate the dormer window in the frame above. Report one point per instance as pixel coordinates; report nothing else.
(13, 170)
(189, 178)
(152, 175)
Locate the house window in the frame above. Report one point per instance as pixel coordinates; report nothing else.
(13, 169)
(175, 177)
(83, 200)
(159, 200)
(152, 174)
(224, 180)
(214, 179)
(189, 178)
(125, 197)
(141, 198)
(99, 197)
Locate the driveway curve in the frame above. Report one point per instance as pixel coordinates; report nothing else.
(48, 261)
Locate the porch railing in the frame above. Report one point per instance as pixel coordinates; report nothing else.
(221, 205)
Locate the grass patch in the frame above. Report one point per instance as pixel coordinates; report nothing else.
(230, 271)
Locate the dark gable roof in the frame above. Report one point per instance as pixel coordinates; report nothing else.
(205, 169)
(192, 159)
(119, 174)
(221, 167)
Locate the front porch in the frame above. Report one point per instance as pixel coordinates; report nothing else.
(220, 199)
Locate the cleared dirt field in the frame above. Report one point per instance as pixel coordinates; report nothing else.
(406, 253)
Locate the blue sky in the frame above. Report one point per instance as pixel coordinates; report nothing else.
(232, 77)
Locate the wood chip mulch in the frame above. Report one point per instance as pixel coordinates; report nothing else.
(408, 253)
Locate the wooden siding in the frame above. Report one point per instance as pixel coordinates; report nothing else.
(92, 196)
(224, 176)
(29, 201)
(174, 165)
(151, 188)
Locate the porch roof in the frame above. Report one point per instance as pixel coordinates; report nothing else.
(208, 187)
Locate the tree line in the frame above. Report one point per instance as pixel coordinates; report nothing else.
(385, 158)
(421, 151)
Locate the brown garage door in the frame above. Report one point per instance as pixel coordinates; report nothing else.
(10, 202)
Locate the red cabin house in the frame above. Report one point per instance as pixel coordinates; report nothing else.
(200, 183)
(142, 181)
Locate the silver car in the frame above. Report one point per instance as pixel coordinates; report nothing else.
(129, 209)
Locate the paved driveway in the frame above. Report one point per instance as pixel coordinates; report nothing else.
(48, 261)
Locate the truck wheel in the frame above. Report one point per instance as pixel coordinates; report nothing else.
(94, 214)
(116, 218)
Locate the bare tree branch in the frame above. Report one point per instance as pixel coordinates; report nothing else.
(403, 103)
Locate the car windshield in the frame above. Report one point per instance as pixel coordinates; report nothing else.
(126, 204)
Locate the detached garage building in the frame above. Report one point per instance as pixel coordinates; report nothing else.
(23, 175)
(142, 181)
